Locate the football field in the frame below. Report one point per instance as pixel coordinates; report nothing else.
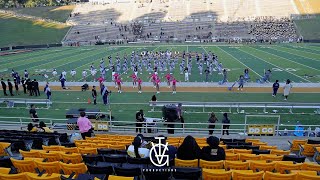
(298, 62)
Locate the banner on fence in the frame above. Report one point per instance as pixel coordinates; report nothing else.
(261, 129)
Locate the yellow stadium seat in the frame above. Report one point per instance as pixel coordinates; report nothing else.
(310, 166)
(308, 149)
(223, 146)
(186, 163)
(312, 173)
(267, 147)
(73, 158)
(216, 174)
(259, 144)
(111, 177)
(238, 175)
(211, 164)
(228, 151)
(101, 146)
(271, 157)
(294, 146)
(252, 140)
(88, 150)
(4, 170)
(52, 148)
(85, 145)
(32, 154)
(76, 168)
(117, 147)
(3, 146)
(282, 166)
(304, 176)
(232, 157)
(51, 156)
(279, 152)
(201, 145)
(236, 165)
(20, 176)
(243, 151)
(24, 165)
(277, 176)
(244, 157)
(49, 167)
(69, 150)
(262, 166)
(33, 176)
(80, 141)
(38, 150)
(101, 135)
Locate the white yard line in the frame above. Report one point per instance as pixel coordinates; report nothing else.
(276, 66)
(288, 60)
(297, 54)
(239, 61)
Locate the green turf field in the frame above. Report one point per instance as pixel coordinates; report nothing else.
(125, 105)
(287, 61)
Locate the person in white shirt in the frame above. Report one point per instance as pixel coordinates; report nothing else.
(73, 74)
(136, 151)
(46, 77)
(64, 74)
(84, 75)
(93, 74)
(54, 74)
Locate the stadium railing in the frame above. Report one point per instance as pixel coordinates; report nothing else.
(12, 101)
(153, 127)
(238, 105)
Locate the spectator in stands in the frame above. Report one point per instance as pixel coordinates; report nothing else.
(211, 121)
(213, 152)
(286, 89)
(4, 87)
(84, 125)
(44, 128)
(189, 149)
(33, 114)
(135, 150)
(32, 128)
(225, 121)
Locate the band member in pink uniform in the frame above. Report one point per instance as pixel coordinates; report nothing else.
(139, 85)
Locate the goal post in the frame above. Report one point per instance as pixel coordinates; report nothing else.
(262, 124)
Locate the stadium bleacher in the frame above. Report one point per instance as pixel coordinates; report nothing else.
(106, 154)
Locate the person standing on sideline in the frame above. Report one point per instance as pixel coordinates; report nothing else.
(186, 74)
(24, 85)
(212, 119)
(94, 95)
(73, 75)
(47, 91)
(207, 72)
(63, 81)
(168, 78)
(84, 75)
(226, 122)
(241, 82)
(4, 87)
(10, 87)
(174, 86)
(139, 119)
(275, 87)
(84, 125)
(119, 82)
(104, 94)
(134, 80)
(33, 114)
(16, 85)
(139, 85)
(286, 89)
(54, 74)
(36, 87)
(246, 74)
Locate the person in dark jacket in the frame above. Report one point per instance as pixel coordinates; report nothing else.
(139, 119)
(29, 87)
(213, 152)
(275, 88)
(16, 86)
(24, 85)
(10, 87)
(94, 95)
(4, 87)
(36, 87)
(189, 149)
(225, 121)
(211, 121)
